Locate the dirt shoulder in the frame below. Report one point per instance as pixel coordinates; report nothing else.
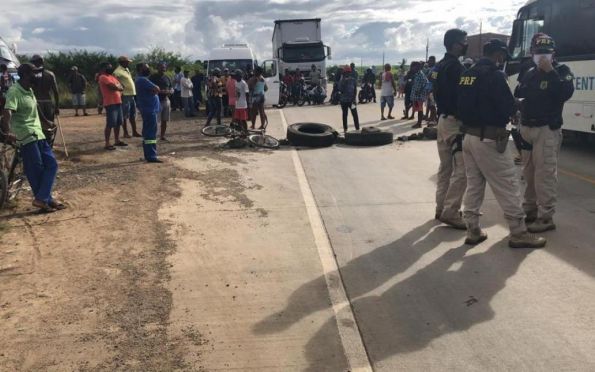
(85, 288)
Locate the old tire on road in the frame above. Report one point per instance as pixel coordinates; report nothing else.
(368, 138)
(311, 135)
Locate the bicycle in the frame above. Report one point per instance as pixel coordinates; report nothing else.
(12, 177)
(253, 137)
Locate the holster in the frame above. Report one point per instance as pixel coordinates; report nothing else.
(502, 137)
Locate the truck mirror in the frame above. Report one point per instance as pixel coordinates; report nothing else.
(205, 64)
(328, 52)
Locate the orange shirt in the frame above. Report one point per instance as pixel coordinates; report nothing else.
(110, 97)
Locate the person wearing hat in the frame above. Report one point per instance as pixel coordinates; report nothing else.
(77, 83)
(45, 88)
(21, 123)
(451, 182)
(543, 91)
(485, 105)
(348, 94)
(122, 73)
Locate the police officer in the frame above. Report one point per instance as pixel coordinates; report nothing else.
(543, 90)
(451, 182)
(485, 106)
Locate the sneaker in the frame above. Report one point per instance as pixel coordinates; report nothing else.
(531, 217)
(475, 236)
(526, 240)
(454, 222)
(542, 225)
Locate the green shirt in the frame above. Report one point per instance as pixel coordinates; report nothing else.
(25, 123)
(125, 78)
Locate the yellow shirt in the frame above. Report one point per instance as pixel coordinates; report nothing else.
(125, 78)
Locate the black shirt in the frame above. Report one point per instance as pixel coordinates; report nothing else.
(445, 81)
(484, 97)
(544, 96)
(163, 82)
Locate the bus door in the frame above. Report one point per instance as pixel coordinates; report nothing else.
(271, 76)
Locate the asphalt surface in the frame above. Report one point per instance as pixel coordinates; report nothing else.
(421, 298)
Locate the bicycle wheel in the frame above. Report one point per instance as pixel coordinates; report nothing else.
(216, 131)
(3, 189)
(263, 140)
(282, 102)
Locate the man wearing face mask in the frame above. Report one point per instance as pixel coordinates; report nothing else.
(45, 88)
(21, 123)
(451, 182)
(485, 105)
(542, 91)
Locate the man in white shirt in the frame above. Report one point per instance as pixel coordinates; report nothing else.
(186, 94)
(240, 114)
(388, 92)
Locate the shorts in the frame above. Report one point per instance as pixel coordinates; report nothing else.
(165, 109)
(418, 106)
(113, 116)
(387, 100)
(240, 114)
(79, 99)
(257, 99)
(128, 107)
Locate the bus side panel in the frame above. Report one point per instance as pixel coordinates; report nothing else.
(579, 110)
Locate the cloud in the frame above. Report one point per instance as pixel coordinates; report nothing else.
(355, 30)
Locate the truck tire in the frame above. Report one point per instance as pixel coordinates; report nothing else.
(372, 138)
(311, 135)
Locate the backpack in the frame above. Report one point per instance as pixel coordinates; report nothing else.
(470, 92)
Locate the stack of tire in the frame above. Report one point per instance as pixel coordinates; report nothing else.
(322, 135)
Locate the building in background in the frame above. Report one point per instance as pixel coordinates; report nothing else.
(476, 43)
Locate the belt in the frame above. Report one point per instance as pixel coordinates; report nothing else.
(534, 123)
(489, 132)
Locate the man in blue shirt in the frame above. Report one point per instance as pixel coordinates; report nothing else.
(148, 105)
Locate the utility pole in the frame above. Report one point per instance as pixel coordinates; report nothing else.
(427, 48)
(383, 58)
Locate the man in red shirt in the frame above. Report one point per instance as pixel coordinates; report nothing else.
(111, 90)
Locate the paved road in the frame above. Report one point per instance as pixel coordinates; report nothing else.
(425, 301)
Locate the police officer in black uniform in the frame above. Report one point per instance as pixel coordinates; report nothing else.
(543, 90)
(451, 181)
(485, 106)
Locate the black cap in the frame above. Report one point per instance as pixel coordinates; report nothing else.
(495, 45)
(542, 43)
(36, 58)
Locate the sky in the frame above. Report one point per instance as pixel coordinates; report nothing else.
(355, 30)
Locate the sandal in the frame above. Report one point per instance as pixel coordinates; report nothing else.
(43, 207)
(57, 205)
(109, 148)
(120, 144)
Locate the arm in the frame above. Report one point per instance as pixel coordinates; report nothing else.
(562, 83)
(503, 98)
(54, 88)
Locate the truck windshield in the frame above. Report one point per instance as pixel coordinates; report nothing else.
(231, 64)
(303, 53)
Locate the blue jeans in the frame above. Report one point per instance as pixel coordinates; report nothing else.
(129, 107)
(149, 134)
(215, 106)
(188, 103)
(41, 168)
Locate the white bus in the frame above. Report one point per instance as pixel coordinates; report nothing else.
(231, 57)
(572, 24)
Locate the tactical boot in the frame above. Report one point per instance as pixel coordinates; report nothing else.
(438, 214)
(456, 222)
(526, 240)
(531, 217)
(475, 235)
(542, 225)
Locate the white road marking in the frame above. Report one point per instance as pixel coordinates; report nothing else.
(351, 339)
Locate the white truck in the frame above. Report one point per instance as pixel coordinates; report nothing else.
(297, 43)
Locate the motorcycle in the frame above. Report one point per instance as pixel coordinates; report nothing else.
(366, 93)
(335, 95)
(283, 95)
